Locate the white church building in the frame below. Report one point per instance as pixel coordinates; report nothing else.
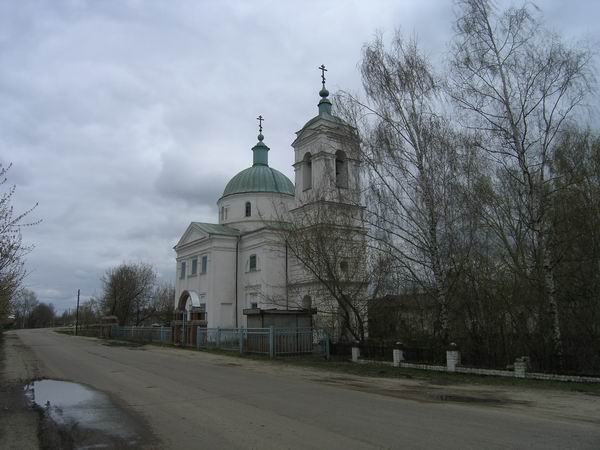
(239, 268)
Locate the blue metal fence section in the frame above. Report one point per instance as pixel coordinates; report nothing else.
(160, 335)
(293, 341)
(257, 340)
(219, 338)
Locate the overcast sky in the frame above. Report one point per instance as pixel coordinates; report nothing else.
(124, 120)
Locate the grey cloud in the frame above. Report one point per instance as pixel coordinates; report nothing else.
(187, 179)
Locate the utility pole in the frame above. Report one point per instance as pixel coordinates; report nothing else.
(77, 314)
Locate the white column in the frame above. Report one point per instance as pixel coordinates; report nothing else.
(355, 354)
(520, 367)
(398, 357)
(452, 358)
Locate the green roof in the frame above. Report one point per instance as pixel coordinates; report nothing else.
(259, 178)
(325, 116)
(324, 110)
(213, 228)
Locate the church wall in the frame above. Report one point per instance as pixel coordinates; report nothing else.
(216, 286)
(265, 207)
(198, 283)
(221, 311)
(266, 284)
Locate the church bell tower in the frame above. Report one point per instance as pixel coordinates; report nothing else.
(328, 238)
(326, 158)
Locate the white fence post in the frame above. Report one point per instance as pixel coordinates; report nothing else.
(241, 338)
(271, 342)
(452, 358)
(398, 357)
(355, 354)
(521, 367)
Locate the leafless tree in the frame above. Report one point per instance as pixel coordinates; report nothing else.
(327, 250)
(519, 86)
(128, 292)
(23, 305)
(12, 249)
(418, 169)
(42, 316)
(162, 302)
(89, 314)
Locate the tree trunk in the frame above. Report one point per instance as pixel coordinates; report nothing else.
(550, 288)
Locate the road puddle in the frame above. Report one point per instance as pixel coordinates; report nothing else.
(82, 416)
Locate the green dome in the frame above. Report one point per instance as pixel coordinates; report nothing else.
(259, 178)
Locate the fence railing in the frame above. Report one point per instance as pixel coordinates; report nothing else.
(161, 335)
(266, 341)
(382, 351)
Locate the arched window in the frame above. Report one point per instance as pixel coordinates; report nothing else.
(307, 172)
(248, 209)
(341, 169)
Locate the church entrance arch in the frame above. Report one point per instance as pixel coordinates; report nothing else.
(189, 315)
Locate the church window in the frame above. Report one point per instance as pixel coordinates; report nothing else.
(182, 271)
(222, 212)
(248, 209)
(204, 263)
(252, 300)
(341, 169)
(307, 171)
(252, 263)
(194, 266)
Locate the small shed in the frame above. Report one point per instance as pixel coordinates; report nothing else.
(279, 318)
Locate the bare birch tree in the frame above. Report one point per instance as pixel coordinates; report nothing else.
(519, 86)
(417, 167)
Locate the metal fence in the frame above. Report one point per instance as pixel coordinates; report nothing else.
(160, 335)
(382, 351)
(266, 341)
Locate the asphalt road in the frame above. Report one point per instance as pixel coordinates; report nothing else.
(201, 401)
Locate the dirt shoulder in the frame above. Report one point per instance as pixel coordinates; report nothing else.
(19, 422)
